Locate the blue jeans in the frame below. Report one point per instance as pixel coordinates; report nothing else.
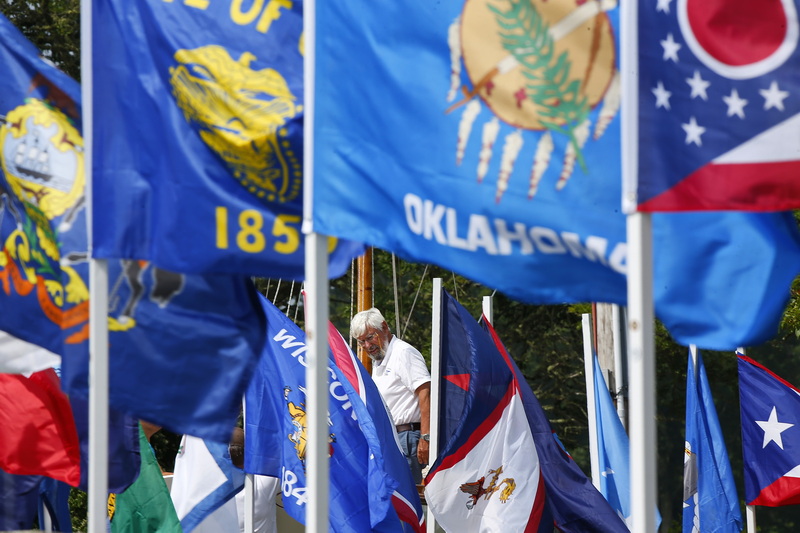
(408, 443)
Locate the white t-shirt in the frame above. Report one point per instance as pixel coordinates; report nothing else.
(398, 376)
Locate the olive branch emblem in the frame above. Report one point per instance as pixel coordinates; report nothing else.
(559, 102)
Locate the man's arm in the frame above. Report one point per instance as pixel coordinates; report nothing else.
(423, 393)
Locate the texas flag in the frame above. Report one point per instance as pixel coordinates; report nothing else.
(719, 105)
(770, 436)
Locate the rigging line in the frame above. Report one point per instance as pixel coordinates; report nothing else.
(269, 282)
(289, 300)
(352, 297)
(297, 307)
(455, 287)
(415, 298)
(396, 298)
(275, 298)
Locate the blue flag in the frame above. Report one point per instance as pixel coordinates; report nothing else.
(770, 417)
(488, 144)
(710, 501)
(198, 145)
(182, 347)
(614, 451)
(480, 467)
(719, 120)
(205, 478)
(361, 489)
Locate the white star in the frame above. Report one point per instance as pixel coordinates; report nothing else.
(662, 96)
(607, 472)
(773, 97)
(773, 429)
(693, 132)
(698, 85)
(735, 104)
(663, 5)
(670, 48)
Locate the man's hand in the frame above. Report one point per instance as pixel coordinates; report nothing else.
(423, 448)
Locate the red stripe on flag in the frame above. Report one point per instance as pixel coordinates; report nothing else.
(783, 491)
(739, 187)
(459, 380)
(407, 514)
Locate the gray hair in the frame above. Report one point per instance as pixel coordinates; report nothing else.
(371, 318)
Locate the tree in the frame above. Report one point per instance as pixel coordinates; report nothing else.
(53, 26)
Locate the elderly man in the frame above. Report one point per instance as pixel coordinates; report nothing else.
(404, 382)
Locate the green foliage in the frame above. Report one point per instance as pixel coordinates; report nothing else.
(53, 26)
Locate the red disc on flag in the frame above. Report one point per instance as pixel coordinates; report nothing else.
(738, 32)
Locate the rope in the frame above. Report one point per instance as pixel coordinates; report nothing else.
(396, 298)
(352, 293)
(275, 298)
(455, 287)
(415, 299)
(297, 307)
(289, 301)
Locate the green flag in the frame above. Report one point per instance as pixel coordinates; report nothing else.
(146, 507)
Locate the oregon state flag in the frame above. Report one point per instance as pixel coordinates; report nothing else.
(198, 144)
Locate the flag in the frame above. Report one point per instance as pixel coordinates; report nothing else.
(41, 193)
(501, 467)
(710, 501)
(514, 183)
(182, 348)
(174, 338)
(614, 451)
(770, 412)
(20, 357)
(145, 507)
(39, 435)
(47, 434)
(719, 117)
(361, 488)
(405, 499)
(203, 481)
(54, 504)
(20, 499)
(209, 175)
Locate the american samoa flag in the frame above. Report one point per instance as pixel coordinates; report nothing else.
(405, 498)
(719, 105)
(770, 410)
(501, 468)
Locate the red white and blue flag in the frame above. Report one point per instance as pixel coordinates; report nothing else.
(500, 468)
(770, 436)
(405, 498)
(719, 105)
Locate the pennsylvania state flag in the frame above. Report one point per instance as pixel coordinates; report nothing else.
(198, 146)
(182, 347)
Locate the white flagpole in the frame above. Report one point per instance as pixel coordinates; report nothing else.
(98, 311)
(436, 383)
(591, 408)
(750, 510)
(619, 367)
(316, 274)
(642, 379)
(641, 344)
(488, 309)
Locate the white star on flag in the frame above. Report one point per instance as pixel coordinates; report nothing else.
(663, 5)
(670, 48)
(698, 85)
(662, 96)
(773, 97)
(693, 132)
(773, 429)
(735, 104)
(607, 472)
